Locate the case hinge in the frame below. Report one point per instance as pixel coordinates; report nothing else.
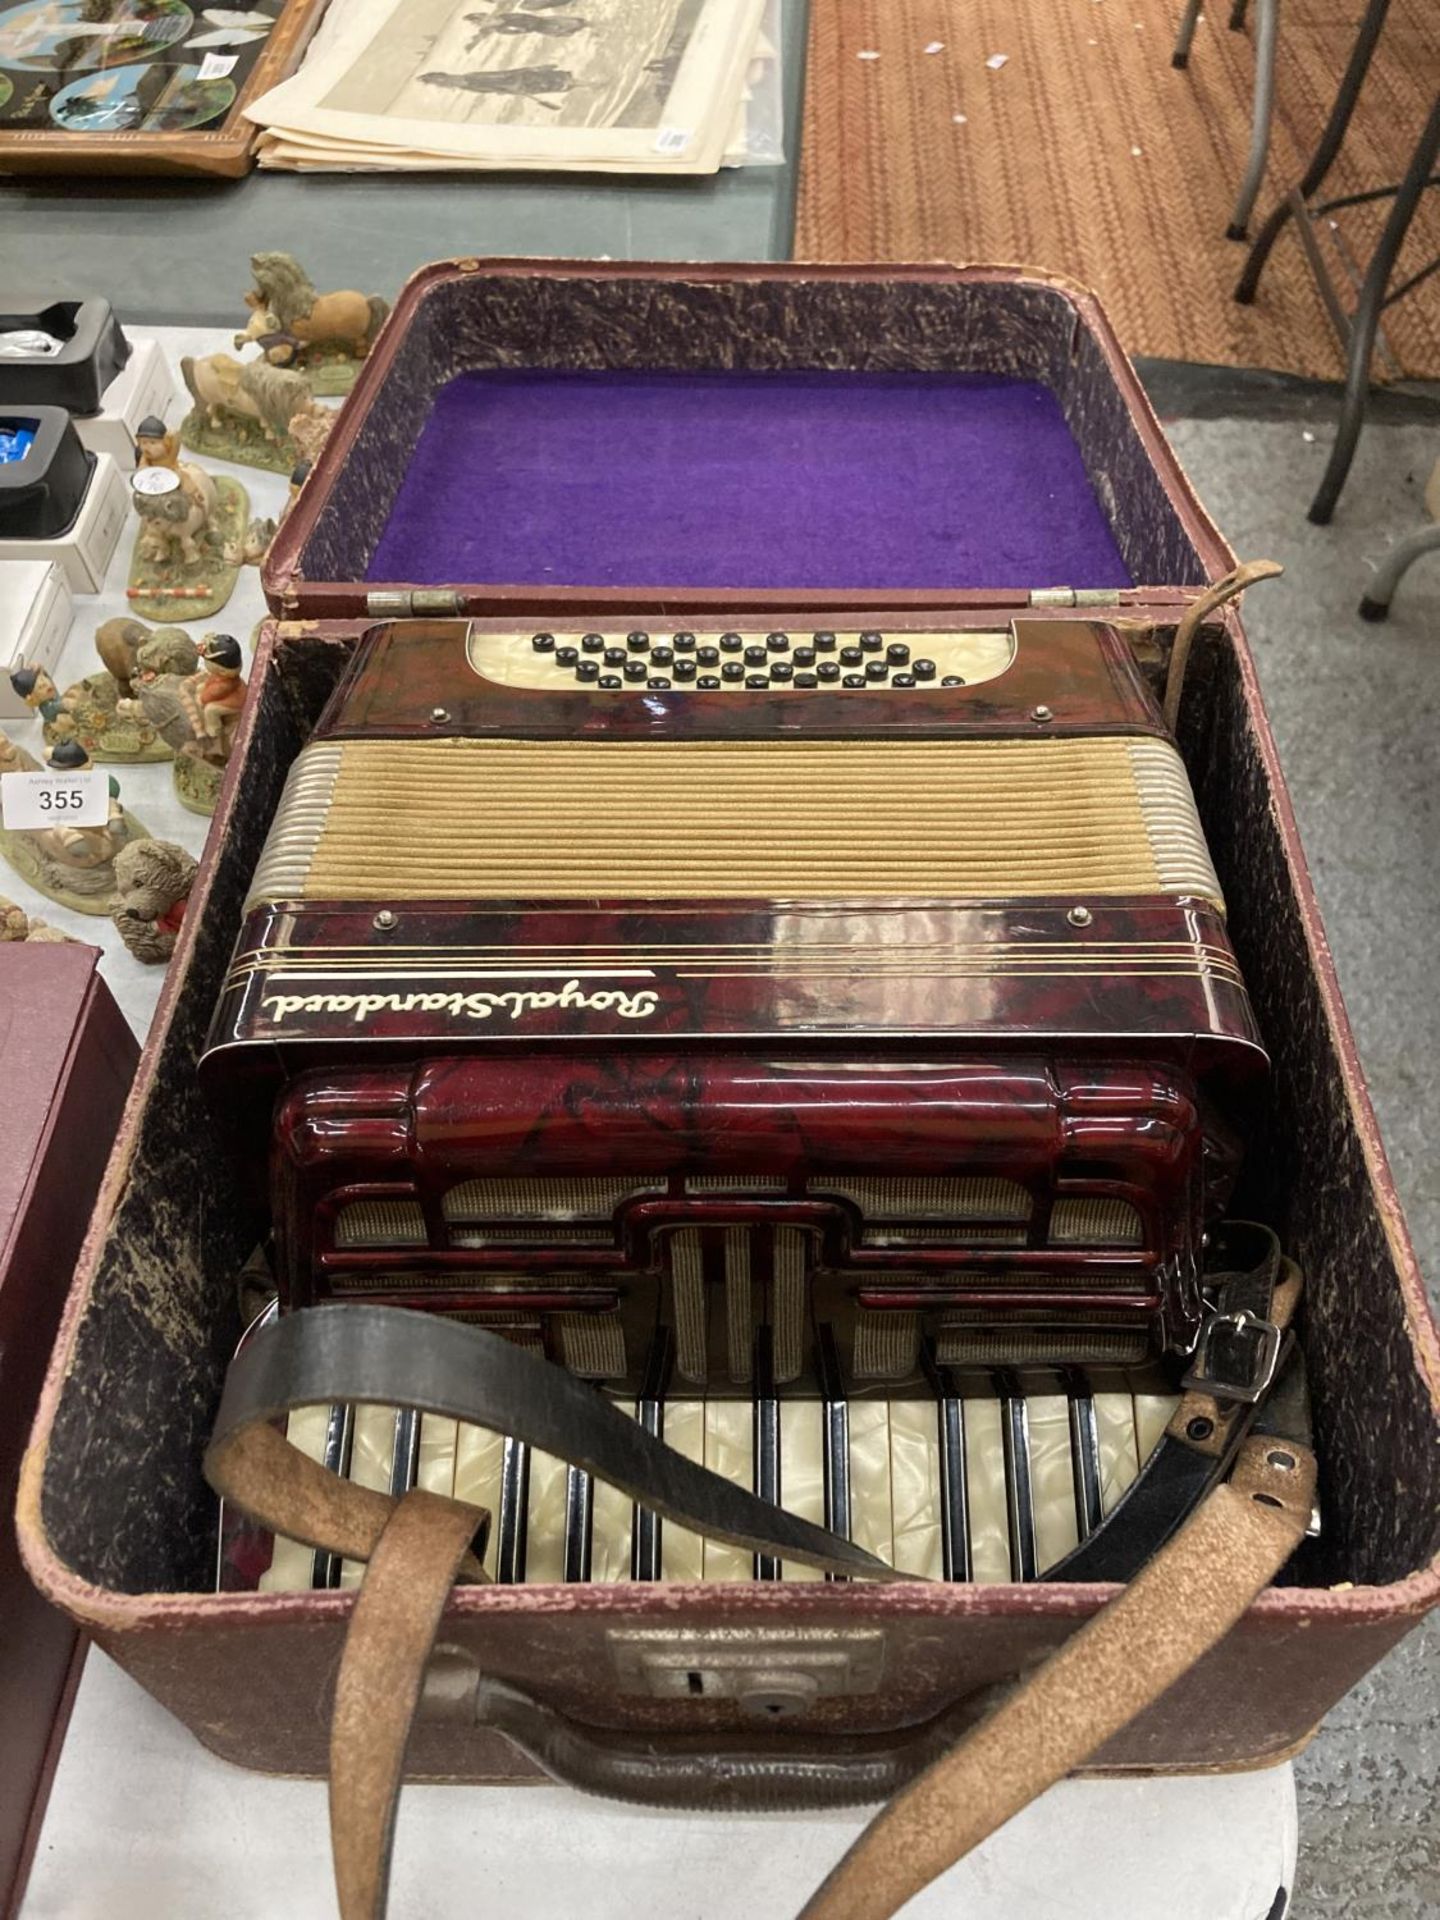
(1074, 596)
(419, 603)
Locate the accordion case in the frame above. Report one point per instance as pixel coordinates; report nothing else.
(707, 890)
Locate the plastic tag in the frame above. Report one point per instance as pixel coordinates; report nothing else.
(672, 140)
(215, 66)
(55, 799)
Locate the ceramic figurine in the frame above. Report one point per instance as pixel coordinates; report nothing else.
(189, 520)
(154, 446)
(99, 710)
(252, 549)
(310, 431)
(17, 925)
(196, 715)
(324, 335)
(249, 411)
(153, 879)
(74, 866)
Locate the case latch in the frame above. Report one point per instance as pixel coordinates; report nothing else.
(416, 603)
(1074, 596)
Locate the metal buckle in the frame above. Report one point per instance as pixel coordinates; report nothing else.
(1236, 1357)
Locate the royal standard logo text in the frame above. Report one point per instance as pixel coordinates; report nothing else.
(631, 1004)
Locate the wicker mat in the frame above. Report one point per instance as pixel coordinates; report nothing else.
(1085, 152)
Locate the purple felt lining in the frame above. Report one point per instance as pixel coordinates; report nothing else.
(766, 480)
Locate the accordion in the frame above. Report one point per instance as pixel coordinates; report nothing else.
(816, 999)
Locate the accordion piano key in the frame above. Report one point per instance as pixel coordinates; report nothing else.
(982, 1485)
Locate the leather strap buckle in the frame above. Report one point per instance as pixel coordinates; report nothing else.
(1236, 1357)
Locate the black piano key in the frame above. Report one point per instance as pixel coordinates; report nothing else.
(1019, 1492)
(767, 1439)
(543, 642)
(579, 1522)
(405, 1451)
(610, 681)
(514, 1512)
(835, 1433)
(650, 1412)
(638, 642)
(339, 1436)
(955, 1558)
(1084, 1454)
(592, 643)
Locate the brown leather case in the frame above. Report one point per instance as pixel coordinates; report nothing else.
(116, 1520)
(66, 1059)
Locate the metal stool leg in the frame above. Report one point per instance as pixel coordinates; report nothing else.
(1366, 318)
(1323, 159)
(1180, 54)
(1267, 34)
(1393, 568)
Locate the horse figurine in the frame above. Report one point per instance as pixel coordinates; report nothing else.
(285, 307)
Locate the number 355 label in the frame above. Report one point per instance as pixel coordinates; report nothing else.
(55, 799)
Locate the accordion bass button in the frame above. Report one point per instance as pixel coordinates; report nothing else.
(707, 683)
(923, 669)
(828, 670)
(731, 643)
(897, 653)
(876, 670)
(871, 642)
(638, 642)
(588, 670)
(707, 656)
(592, 643)
(852, 656)
(755, 656)
(636, 669)
(806, 680)
(778, 642)
(543, 642)
(824, 642)
(854, 680)
(684, 643)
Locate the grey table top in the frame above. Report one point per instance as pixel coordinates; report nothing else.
(177, 251)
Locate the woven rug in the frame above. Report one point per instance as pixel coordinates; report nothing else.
(1084, 151)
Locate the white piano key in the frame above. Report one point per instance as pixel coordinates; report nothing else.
(371, 1454)
(682, 1553)
(802, 1471)
(611, 1525)
(1052, 1479)
(1152, 1416)
(729, 1450)
(1119, 1461)
(915, 1487)
(985, 1482)
(291, 1565)
(438, 1439)
(871, 1521)
(478, 1457)
(545, 1526)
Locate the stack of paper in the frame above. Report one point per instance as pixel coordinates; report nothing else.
(615, 86)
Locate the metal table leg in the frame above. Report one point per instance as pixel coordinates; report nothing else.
(1393, 568)
(1267, 34)
(1324, 156)
(1366, 317)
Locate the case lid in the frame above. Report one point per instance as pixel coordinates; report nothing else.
(531, 437)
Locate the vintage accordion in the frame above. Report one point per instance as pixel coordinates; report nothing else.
(837, 1019)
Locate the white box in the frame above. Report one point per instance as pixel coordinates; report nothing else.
(144, 387)
(83, 551)
(35, 613)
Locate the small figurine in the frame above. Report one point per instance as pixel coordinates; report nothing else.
(99, 710)
(189, 519)
(309, 431)
(153, 879)
(252, 549)
(74, 866)
(196, 715)
(154, 446)
(325, 335)
(17, 925)
(247, 410)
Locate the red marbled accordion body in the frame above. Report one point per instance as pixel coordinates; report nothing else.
(970, 1119)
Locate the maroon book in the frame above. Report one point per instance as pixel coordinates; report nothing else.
(66, 1062)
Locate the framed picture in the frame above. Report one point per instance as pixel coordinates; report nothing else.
(140, 86)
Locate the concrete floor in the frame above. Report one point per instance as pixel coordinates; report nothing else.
(1355, 709)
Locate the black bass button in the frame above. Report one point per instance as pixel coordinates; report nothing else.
(824, 642)
(778, 642)
(661, 656)
(828, 670)
(871, 642)
(902, 680)
(924, 669)
(952, 680)
(853, 680)
(781, 670)
(592, 643)
(731, 643)
(543, 642)
(732, 670)
(757, 682)
(708, 656)
(876, 670)
(804, 656)
(637, 670)
(659, 683)
(588, 670)
(566, 656)
(685, 669)
(707, 683)
(614, 656)
(684, 643)
(755, 656)
(898, 654)
(638, 642)
(851, 657)
(806, 681)
(610, 681)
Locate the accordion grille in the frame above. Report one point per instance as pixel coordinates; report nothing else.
(1039, 1346)
(592, 1344)
(479, 1202)
(922, 1198)
(380, 1223)
(464, 819)
(887, 1345)
(1096, 1222)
